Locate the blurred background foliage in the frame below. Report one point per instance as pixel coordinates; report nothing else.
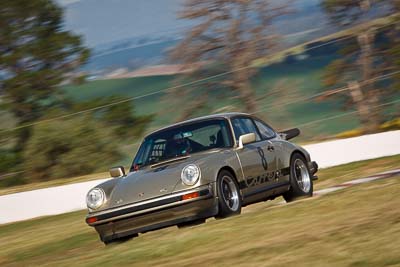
(37, 56)
(70, 147)
(58, 123)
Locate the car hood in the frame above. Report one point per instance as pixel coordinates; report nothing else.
(144, 184)
(150, 182)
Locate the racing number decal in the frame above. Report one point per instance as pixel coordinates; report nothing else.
(263, 159)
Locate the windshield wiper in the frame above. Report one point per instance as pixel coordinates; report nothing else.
(169, 161)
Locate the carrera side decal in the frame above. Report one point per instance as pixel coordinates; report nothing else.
(250, 181)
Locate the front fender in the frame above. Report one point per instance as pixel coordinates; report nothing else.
(211, 165)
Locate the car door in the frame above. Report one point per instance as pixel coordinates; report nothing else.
(257, 159)
(268, 134)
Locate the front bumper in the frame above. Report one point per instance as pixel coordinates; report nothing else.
(155, 213)
(313, 167)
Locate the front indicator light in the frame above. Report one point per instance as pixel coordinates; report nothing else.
(91, 220)
(190, 196)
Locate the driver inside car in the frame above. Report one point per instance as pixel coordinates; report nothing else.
(178, 146)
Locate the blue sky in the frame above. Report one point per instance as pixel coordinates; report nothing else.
(102, 21)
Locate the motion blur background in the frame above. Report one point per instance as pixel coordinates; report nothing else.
(81, 82)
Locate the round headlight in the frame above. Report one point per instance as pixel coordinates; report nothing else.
(95, 198)
(190, 174)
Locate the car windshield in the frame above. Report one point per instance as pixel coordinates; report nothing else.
(182, 141)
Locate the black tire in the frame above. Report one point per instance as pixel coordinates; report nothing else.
(300, 185)
(229, 198)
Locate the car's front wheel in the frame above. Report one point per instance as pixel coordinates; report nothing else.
(229, 198)
(301, 184)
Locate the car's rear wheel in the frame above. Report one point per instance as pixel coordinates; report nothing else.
(301, 184)
(229, 198)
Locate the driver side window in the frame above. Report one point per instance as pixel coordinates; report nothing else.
(265, 131)
(243, 126)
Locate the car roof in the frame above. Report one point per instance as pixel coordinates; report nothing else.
(226, 115)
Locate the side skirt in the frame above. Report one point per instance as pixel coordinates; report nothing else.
(265, 193)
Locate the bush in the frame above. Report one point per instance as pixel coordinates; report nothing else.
(391, 125)
(387, 126)
(9, 175)
(70, 147)
(8, 160)
(350, 133)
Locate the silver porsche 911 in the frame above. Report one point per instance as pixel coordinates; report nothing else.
(206, 167)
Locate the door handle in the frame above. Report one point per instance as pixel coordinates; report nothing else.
(270, 147)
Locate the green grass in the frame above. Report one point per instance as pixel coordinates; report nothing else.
(340, 229)
(126, 87)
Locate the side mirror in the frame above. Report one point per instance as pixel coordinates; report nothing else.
(246, 139)
(117, 172)
(289, 134)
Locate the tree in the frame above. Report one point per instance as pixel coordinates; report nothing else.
(75, 145)
(229, 36)
(70, 147)
(120, 118)
(360, 61)
(390, 49)
(36, 55)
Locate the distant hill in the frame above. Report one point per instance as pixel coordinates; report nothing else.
(131, 57)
